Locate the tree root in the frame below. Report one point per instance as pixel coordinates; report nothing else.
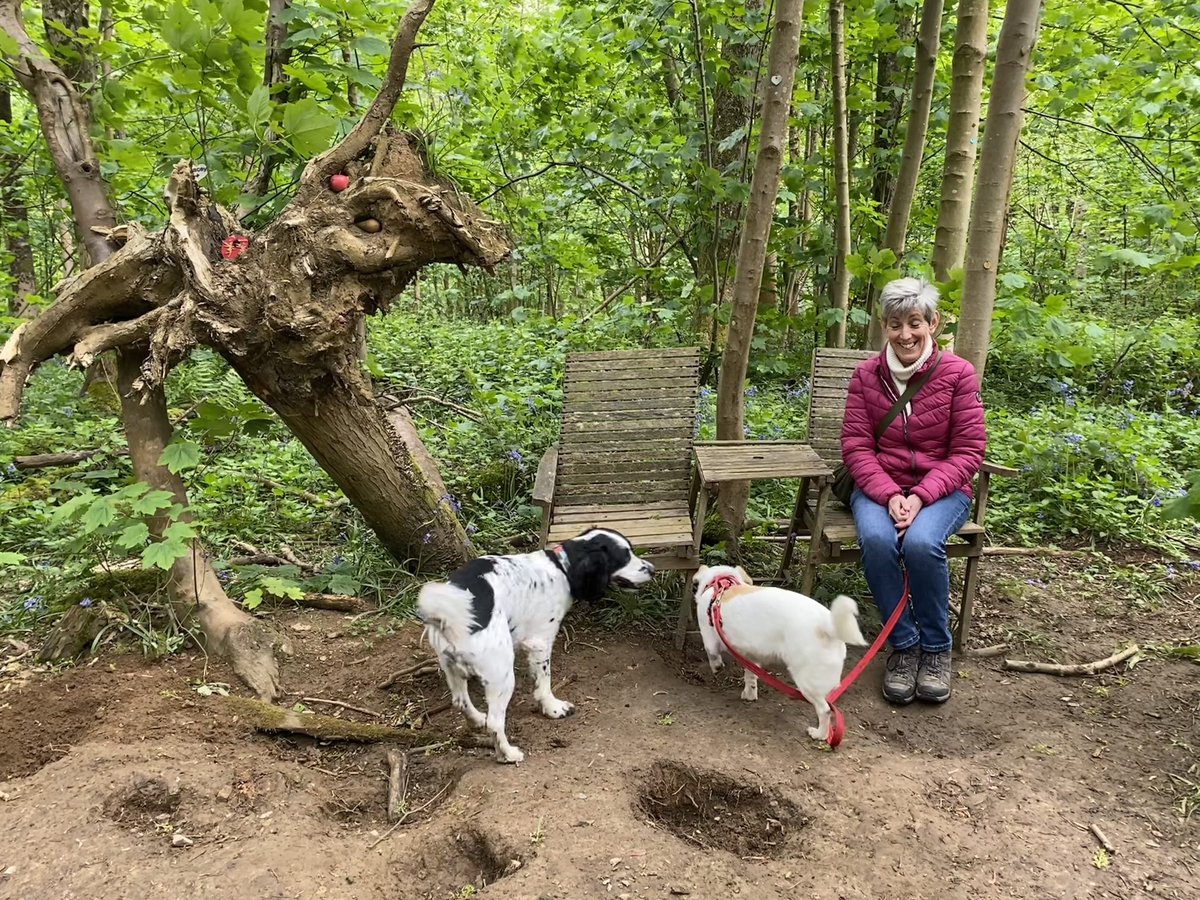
(1091, 668)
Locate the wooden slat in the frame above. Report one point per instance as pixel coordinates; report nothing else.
(658, 488)
(583, 466)
(675, 373)
(632, 448)
(573, 482)
(839, 525)
(844, 353)
(573, 424)
(645, 387)
(683, 400)
(584, 356)
(581, 512)
(619, 436)
(674, 539)
(675, 525)
(633, 496)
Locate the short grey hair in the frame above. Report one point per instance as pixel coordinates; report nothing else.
(903, 295)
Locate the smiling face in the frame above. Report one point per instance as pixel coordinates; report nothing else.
(908, 332)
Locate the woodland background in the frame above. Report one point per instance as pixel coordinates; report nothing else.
(615, 142)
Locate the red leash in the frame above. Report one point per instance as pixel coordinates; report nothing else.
(837, 724)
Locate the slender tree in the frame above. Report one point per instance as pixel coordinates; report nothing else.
(962, 136)
(756, 231)
(928, 41)
(997, 161)
(839, 286)
(14, 218)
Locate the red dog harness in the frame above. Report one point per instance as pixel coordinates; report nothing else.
(837, 725)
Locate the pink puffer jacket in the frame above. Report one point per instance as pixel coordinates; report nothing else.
(933, 452)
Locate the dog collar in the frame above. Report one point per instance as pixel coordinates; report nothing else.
(719, 586)
(560, 554)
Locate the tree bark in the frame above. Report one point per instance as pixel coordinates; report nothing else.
(928, 39)
(14, 221)
(997, 161)
(962, 135)
(277, 55)
(284, 314)
(752, 248)
(77, 61)
(890, 77)
(839, 284)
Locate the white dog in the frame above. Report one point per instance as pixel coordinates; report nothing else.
(770, 625)
(474, 620)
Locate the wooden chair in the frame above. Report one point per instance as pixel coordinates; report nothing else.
(624, 455)
(834, 539)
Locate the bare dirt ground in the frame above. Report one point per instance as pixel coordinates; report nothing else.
(664, 784)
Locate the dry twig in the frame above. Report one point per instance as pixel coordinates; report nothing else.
(424, 667)
(397, 784)
(1091, 668)
(358, 709)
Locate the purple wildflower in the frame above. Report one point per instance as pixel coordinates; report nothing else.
(86, 602)
(33, 603)
(427, 538)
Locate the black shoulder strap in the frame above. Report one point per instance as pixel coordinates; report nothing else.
(909, 392)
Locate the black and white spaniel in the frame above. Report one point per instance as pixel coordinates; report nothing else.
(494, 604)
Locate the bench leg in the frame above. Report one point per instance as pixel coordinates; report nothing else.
(970, 586)
(686, 602)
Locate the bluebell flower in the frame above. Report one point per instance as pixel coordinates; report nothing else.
(515, 455)
(338, 559)
(1194, 564)
(1036, 582)
(751, 391)
(705, 393)
(1157, 501)
(32, 603)
(224, 576)
(1074, 439)
(11, 469)
(1170, 571)
(1127, 387)
(471, 529)
(86, 602)
(449, 500)
(746, 430)
(532, 406)
(427, 538)
(341, 538)
(1069, 400)
(1041, 515)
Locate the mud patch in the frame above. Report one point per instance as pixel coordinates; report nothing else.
(144, 804)
(714, 811)
(467, 861)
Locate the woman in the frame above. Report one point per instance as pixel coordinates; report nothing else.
(913, 484)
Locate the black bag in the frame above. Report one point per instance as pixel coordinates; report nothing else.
(842, 485)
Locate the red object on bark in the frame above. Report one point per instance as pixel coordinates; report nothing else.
(339, 182)
(234, 246)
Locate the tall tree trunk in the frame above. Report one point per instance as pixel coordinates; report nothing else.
(962, 135)
(928, 39)
(890, 79)
(14, 222)
(66, 49)
(752, 248)
(277, 55)
(997, 160)
(839, 283)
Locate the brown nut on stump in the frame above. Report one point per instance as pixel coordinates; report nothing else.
(370, 226)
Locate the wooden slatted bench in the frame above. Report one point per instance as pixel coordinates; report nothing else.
(833, 534)
(624, 455)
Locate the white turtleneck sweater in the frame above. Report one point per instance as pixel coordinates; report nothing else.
(902, 374)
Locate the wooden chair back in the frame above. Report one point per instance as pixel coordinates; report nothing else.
(831, 371)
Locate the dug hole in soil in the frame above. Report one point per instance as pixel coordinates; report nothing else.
(121, 780)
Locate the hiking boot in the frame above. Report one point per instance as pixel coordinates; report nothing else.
(933, 677)
(900, 679)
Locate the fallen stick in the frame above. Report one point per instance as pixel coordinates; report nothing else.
(359, 709)
(1091, 668)
(49, 460)
(1102, 838)
(402, 819)
(290, 555)
(424, 667)
(1033, 551)
(986, 652)
(343, 603)
(397, 784)
(265, 717)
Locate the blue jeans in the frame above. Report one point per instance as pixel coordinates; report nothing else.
(927, 620)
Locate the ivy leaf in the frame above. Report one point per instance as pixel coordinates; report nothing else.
(162, 554)
(134, 535)
(180, 455)
(307, 127)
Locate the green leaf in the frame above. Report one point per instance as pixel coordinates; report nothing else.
(9, 558)
(179, 531)
(253, 599)
(134, 535)
(281, 587)
(69, 509)
(307, 127)
(179, 455)
(180, 29)
(258, 107)
(162, 554)
(101, 512)
(344, 584)
(152, 502)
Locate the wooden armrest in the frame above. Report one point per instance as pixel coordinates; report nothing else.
(543, 484)
(996, 469)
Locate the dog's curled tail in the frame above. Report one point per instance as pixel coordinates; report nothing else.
(445, 609)
(845, 621)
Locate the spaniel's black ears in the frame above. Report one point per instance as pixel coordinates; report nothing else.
(589, 573)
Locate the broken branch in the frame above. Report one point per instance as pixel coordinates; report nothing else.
(267, 718)
(424, 667)
(1091, 668)
(339, 703)
(397, 784)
